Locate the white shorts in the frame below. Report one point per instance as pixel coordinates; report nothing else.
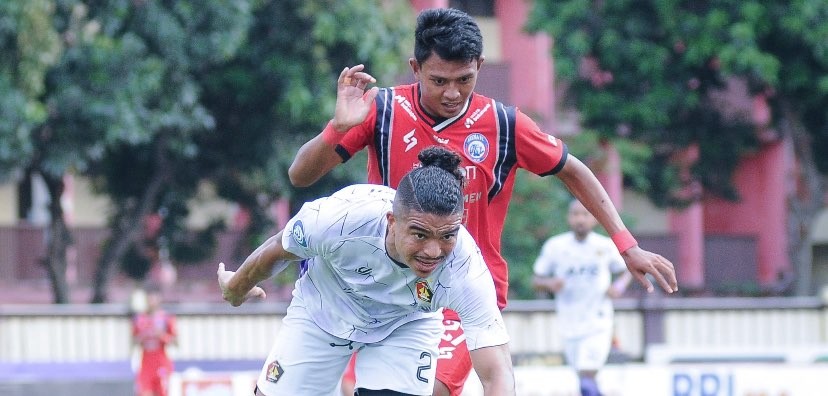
(306, 360)
(588, 352)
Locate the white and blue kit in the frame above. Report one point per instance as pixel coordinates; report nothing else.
(354, 296)
(584, 310)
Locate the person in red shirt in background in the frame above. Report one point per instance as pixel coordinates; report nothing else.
(153, 330)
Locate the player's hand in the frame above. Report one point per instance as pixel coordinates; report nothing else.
(235, 299)
(641, 262)
(549, 284)
(613, 292)
(353, 102)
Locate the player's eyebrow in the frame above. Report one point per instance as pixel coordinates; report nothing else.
(452, 230)
(438, 77)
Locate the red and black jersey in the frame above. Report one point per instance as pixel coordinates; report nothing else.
(493, 140)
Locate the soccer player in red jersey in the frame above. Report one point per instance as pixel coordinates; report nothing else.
(494, 140)
(153, 331)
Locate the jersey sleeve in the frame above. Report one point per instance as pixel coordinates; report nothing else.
(545, 263)
(172, 326)
(304, 234)
(134, 325)
(320, 225)
(475, 301)
(537, 151)
(616, 262)
(357, 137)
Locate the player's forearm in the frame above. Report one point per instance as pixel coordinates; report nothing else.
(267, 260)
(313, 160)
(587, 189)
(494, 368)
(547, 284)
(501, 385)
(619, 286)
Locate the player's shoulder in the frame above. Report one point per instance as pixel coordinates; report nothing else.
(465, 240)
(356, 201)
(364, 192)
(564, 238)
(466, 255)
(600, 239)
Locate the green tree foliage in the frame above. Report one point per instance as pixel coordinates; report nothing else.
(651, 71)
(151, 98)
(280, 90)
(29, 45)
(239, 93)
(155, 171)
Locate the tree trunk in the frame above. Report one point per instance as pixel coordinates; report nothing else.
(128, 223)
(805, 202)
(59, 238)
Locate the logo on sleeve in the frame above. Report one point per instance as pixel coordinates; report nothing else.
(424, 292)
(298, 233)
(274, 372)
(476, 147)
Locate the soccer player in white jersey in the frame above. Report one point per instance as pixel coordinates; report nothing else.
(578, 267)
(381, 264)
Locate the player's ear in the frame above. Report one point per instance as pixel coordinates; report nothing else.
(391, 222)
(480, 61)
(415, 67)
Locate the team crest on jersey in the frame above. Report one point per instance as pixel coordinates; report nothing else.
(298, 233)
(424, 292)
(476, 147)
(274, 372)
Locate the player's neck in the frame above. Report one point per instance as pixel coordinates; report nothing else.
(580, 237)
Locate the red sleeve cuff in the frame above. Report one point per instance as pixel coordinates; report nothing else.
(330, 135)
(623, 240)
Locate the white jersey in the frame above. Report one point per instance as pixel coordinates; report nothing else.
(353, 290)
(586, 267)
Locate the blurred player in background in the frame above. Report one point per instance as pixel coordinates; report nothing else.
(153, 330)
(578, 266)
(493, 139)
(380, 266)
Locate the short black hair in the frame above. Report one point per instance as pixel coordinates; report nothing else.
(435, 187)
(450, 33)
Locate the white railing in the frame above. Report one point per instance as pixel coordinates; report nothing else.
(76, 333)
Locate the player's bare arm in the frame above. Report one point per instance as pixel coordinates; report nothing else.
(267, 260)
(549, 284)
(586, 188)
(353, 102)
(619, 285)
(494, 367)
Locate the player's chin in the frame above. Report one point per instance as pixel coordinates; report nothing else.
(450, 112)
(423, 269)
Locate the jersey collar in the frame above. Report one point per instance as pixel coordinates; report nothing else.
(438, 123)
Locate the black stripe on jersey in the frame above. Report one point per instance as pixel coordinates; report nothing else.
(506, 152)
(382, 131)
(344, 154)
(561, 163)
